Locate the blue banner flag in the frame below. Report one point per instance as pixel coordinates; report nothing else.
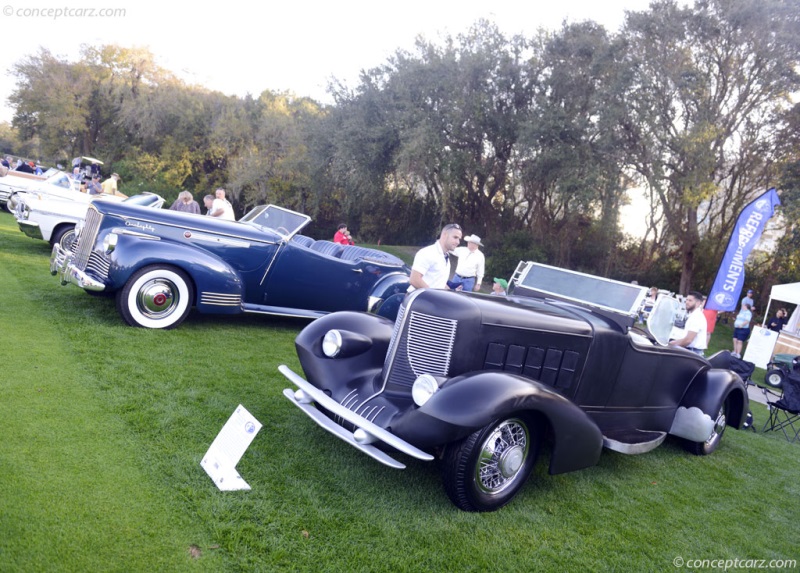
(730, 276)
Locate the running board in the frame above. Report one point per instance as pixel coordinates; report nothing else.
(282, 311)
(633, 441)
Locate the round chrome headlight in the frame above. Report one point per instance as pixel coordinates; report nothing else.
(110, 242)
(332, 343)
(424, 387)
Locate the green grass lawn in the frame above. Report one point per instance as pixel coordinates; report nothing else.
(104, 426)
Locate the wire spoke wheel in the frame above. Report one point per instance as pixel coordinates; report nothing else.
(501, 457)
(485, 470)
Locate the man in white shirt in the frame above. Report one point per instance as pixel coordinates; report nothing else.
(221, 207)
(431, 266)
(694, 338)
(471, 263)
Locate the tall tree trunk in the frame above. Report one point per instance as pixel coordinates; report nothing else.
(688, 244)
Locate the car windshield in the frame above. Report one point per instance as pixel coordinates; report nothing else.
(145, 199)
(60, 179)
(282, 221)
(662, 318)
(597, 291)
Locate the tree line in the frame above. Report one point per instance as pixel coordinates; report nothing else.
(530, 142)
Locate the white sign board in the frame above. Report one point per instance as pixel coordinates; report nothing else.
(760, 346)
(228, 448)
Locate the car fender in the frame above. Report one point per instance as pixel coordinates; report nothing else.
(208, 272)
(391, 284)
(388, 293)
(325, 372)
(475, 400)
(697, 412)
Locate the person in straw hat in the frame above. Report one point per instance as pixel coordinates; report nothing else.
(471, 263)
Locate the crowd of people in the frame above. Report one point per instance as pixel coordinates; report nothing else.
(690, 334)
(7, 164)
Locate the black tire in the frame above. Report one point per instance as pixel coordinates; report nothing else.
(485, 470)
(156, 297)
(774, 378)
(713, 441)
(65, 235)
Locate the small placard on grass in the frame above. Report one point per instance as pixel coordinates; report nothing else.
(228, 448)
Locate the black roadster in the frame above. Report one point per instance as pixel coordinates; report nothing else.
(478, 381)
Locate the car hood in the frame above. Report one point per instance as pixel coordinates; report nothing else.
(149, 220)
(515, 312)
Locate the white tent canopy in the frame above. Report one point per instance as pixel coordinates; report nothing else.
(790, 293)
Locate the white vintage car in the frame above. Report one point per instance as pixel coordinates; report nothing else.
(54, 219)
(20, 182)
(59, 185)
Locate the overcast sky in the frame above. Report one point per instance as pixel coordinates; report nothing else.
(294, 46)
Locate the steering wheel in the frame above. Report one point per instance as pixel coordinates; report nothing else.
(283, 230)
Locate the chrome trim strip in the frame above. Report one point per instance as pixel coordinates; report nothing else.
(130, 233)
(395, 342)
(358, 421)
(197, 229)
(219, 240)
(281, 311)
(220, 299)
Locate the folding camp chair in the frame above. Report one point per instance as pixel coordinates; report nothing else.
(784, 413)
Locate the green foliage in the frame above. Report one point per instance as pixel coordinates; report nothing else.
(9, 141)
(508, 250)
(542, 134)
(706, 94)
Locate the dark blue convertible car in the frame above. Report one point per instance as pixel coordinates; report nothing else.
(161, 263)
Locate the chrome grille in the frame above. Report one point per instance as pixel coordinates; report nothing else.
(87, 237)
(430, 343)
(99, 265)
(424, 345)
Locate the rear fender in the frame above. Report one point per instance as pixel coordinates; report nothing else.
(388, 293)
(694, 419)
(474, 401)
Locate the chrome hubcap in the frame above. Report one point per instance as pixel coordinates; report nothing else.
(68, 240)
(719, 426)
(157, 298)
(511, 461)
(502, 456)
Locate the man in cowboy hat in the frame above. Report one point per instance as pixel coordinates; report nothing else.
(471, 263)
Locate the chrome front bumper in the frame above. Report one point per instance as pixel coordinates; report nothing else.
(31, 229)
(61, 265)
(367, 431)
